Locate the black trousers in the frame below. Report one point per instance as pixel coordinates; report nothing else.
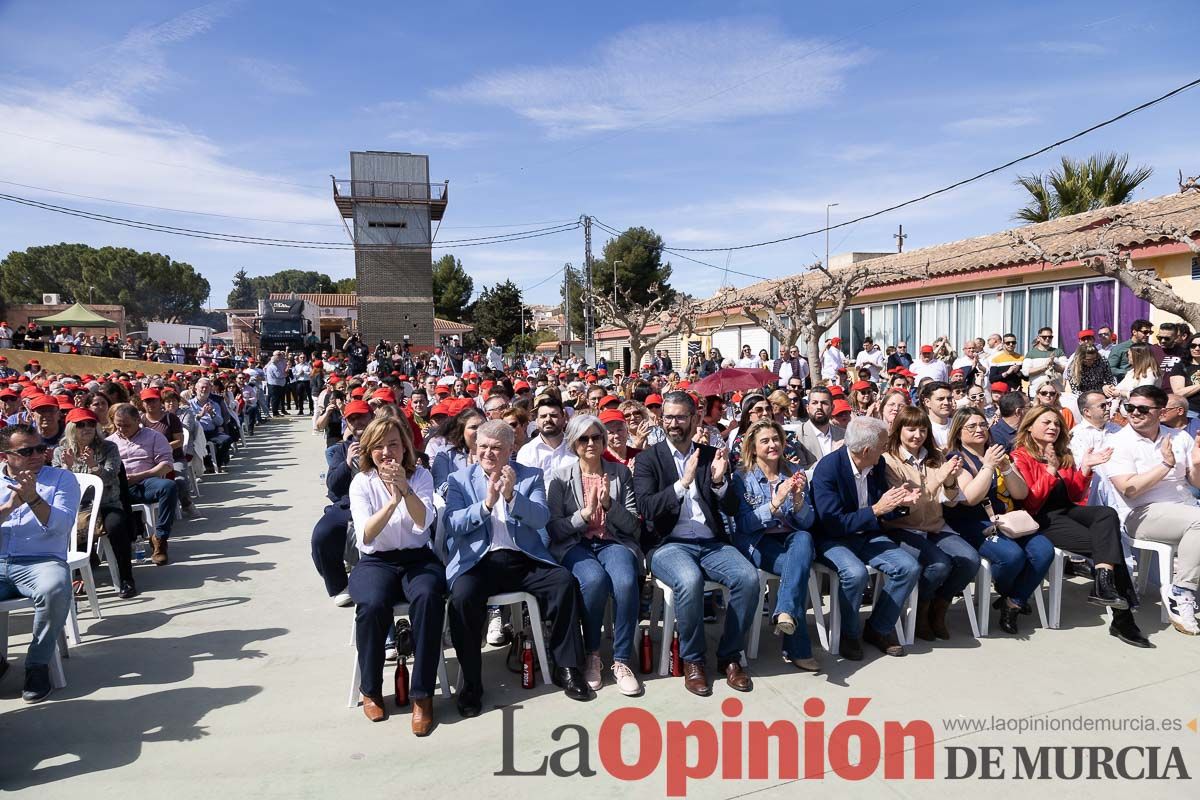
(275, 395)
(329, 547)
(303, 392)
(118, 527)
(503, 571)
(377, 584)
(1093, 531)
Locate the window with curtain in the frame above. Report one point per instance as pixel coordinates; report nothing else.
(843, 329)
(944, 316)
(926, 325)
(991, 315)
(908, 325)
(964, 321)
(883, 331)
(1041, 312)
(1070, 316)
(1129, 308)
(1014, 317)
(1101, 305)
(858, 329)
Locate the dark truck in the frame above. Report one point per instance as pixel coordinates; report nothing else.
(286, 323)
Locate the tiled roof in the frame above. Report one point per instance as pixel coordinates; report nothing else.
(324, 300)
(446, 326)
(1057, 237)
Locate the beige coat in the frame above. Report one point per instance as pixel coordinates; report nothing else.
(926, 513)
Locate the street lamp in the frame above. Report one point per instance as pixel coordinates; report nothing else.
(827, 207)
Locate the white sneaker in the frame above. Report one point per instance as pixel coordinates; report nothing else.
(627, 682)
(496, 636)
(592, 671)
(342, 600)
(1181, 608)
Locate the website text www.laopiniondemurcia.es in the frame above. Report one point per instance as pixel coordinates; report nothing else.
(851, 749)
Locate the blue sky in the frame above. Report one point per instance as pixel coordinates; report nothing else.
(715, 124)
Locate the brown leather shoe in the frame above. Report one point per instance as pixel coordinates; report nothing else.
(737, 678)
(373, 708)
(159, 556)
(937, 617)
(422, 716)
(694, 679)
(888, 644)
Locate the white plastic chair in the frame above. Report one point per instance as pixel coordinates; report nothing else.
(189, 474)
(765, 579)
(401, 610)
(906, 624)
(1161, 554)
(1055, 579)
(80, 560)
(58, 677)
(981, 593)
(516, 600)
(666, 607)
(149, 512)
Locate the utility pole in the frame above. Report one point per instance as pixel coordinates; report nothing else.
(589, 335)
(900, 237)
(566, 306)
(617, 261)
(521, 341)
(827, 207)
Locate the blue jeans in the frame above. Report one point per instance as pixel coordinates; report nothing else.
(790, 556)
(850, 556)
(48, 584)
(604, 569)
(684, 566)
(948, 563)
(1018, 565)
(161, 491)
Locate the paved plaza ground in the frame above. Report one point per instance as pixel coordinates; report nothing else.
(228, 678)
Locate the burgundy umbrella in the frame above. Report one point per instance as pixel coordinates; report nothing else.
(734, 379)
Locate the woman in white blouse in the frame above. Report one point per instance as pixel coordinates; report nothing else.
(391, 503)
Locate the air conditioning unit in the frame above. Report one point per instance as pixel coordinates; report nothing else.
(51, 300)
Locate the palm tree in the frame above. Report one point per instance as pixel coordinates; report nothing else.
(1078, 186)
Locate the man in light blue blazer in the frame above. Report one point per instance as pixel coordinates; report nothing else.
(495, 513)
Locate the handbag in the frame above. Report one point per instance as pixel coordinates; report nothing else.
(1015, 524)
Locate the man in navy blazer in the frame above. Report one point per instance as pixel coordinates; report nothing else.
(495, 512)
(850, 494)
(681, 489)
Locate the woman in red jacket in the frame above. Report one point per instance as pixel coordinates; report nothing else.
(1058, 490)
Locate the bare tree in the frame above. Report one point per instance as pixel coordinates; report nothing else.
(1107, 253)
(809, 304)
(674, 316)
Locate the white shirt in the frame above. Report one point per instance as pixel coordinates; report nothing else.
(368, 494)
(934, 368)
(1134, 454)
(1086, 436)
(495, 357)
(874, 361)
(753, 362)
(832, 362)
(691, 524)
(6, 337)
(941, 432)
(536, 453)
(498, 518)
(860, 483)
(825, 440)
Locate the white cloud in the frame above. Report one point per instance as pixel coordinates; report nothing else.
(443, 140)
(673, 75)
(996, 122)
(274, 78)
(1070, 48)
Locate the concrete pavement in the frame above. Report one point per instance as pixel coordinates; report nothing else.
(228, 677)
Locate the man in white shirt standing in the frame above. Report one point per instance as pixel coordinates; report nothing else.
(748, 360)
(929, 367)
(6, 336)
(1152, 467)
(495, 356)
(548, 450)
(871, 358)
(833, 360)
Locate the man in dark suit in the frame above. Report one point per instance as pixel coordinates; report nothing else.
(495, 512)
(682, 488)
(851, 495)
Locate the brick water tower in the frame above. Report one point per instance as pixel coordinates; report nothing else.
(393, 206)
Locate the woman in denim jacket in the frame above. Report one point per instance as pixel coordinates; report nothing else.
(772, 531)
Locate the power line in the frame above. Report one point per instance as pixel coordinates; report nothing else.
(273, 242)
(615, 232)
(955, 185)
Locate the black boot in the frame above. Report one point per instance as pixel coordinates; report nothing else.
(1008, 618)
(924, 630)
(1125, 628)
(1104, 591)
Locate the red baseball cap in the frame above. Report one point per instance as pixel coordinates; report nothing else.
(999, 386)
(610, 400)
(8, 394)
(926, 348)
(611, 415)
(861, 386)
(82, 415)
(355, 407)
(840, 407)
(439, 410)
(654, 400)
(520, 386)
(42, 401)
(835, 341)
(386, 395)
(442, 390)
(150, 394)
(357, 392)
(1087, 333)
(64, 402)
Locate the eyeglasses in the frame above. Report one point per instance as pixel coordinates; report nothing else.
(676, 418)
(1130, 408)
(975, 426)
(1047, 393)
(974, 397)
(1145, 331)
(595, 437)
(26, 452)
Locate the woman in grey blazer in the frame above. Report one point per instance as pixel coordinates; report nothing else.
(594, 530)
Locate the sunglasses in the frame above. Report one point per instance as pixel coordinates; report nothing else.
(85, 424)
(1010, 341)
(1193, 345)
(26, 452)
(1130, 408)
(1047, 394)
(595, 437)
(1165, 338)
